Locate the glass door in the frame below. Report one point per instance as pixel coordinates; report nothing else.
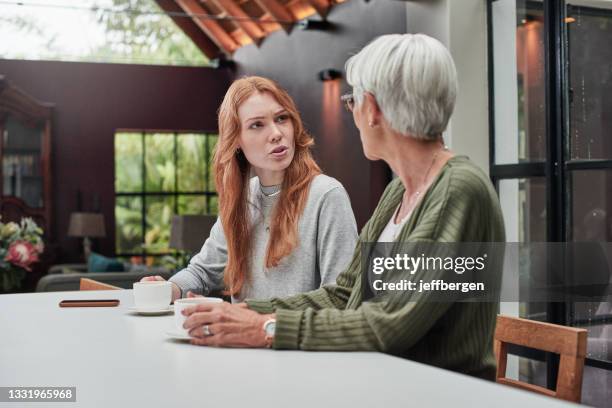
(551, 154)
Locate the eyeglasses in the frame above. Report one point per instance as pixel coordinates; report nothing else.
(349, 102)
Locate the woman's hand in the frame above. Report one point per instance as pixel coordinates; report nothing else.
(152, 279)
(229, 325)
(176, 291)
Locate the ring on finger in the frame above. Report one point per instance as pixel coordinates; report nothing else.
(206, 330)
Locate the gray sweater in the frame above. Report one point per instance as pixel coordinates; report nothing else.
(327, 236)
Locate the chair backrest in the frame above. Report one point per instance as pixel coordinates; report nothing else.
(568, 342)
(90, 284)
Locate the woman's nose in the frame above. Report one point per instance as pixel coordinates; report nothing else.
(275, 134)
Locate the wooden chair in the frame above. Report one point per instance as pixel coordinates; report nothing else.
(90, 284)
(568, 342)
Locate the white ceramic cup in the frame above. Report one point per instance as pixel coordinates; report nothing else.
(152, 295)
(181, 304)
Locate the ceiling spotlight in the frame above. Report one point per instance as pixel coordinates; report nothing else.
(529, 18)
(223, 62)
(308, 24)
(329, 74)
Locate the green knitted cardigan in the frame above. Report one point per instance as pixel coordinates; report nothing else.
(461, 205)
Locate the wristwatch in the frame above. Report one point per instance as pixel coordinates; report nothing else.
(269, 327)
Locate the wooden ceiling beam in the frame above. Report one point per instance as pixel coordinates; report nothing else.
(250, 28)
(212, 28)
(189, 27)
(278, 12)
(266, 21)
(322, 6)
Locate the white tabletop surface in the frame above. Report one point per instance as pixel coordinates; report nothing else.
(116, 358)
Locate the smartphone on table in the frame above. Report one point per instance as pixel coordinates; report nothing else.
(89, 303)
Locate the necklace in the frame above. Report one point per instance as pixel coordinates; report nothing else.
(415, 196)
(270, 191)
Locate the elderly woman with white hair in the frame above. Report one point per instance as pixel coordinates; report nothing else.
(404, 91)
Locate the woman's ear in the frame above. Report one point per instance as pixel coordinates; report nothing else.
(373, 112)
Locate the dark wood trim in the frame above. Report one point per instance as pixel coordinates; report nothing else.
(25, 108)
(33, 113)
(47, 174)
(15, 205)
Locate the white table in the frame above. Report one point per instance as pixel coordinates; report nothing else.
(119, 359)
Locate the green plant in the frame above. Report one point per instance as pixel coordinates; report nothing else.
(176, 262)
(124, 31)
(138, 31)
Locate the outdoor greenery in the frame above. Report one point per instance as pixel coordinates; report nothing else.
(133, 31)
(158, 175)
(28, 26)
(141, 36)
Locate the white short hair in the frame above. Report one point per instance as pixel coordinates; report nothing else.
(412, 77)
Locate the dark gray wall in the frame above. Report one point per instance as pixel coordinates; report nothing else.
(91, 102)
(294, 61)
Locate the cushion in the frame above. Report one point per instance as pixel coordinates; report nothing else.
(99, 263)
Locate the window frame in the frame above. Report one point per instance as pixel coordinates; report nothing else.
(558, 177)
(143, 193)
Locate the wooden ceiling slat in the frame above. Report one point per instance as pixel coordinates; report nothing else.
(322, 6)
(214, 31)
(241, 37)
(251, 8)
(267, 23)
(300, 9)
(211, 8)
(250, 28)
(277, 11)
(195, 33)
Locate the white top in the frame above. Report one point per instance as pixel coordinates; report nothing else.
(115, 358)
(392, 230)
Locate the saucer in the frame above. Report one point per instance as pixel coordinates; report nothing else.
(177, 335)
(153, 311)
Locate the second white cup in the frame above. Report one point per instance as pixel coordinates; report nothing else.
(181, 304)
(152, 295)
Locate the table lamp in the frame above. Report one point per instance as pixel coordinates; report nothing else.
(188, 232)
(86, 226)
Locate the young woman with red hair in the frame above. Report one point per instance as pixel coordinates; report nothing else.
(289, 229)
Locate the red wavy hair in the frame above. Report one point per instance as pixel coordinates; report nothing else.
(232, 174)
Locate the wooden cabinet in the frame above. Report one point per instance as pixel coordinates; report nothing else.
(25, 157)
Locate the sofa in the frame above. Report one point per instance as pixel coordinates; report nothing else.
(67, 277)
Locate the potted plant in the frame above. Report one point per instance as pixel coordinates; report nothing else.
(20, 246)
